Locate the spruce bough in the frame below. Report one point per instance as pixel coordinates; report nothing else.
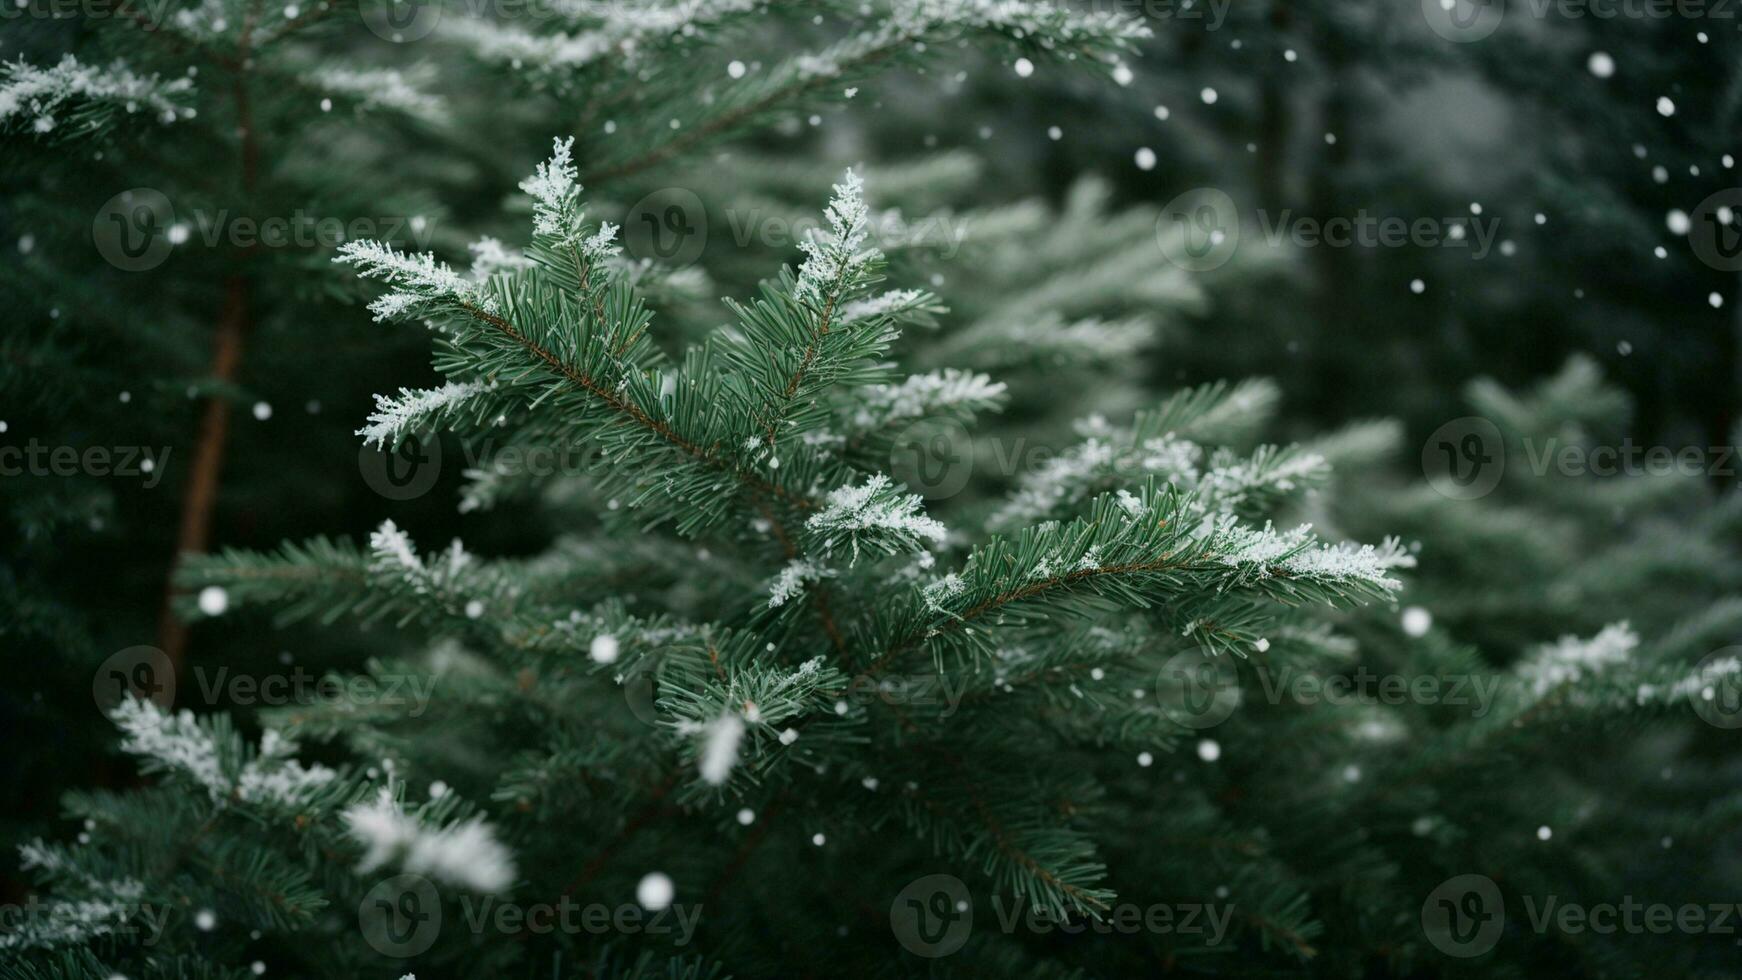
(568, 732)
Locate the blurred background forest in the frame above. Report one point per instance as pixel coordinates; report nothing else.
(1569, 176)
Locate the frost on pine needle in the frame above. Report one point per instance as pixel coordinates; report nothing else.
(552, 187)
(875, 516)
(1089, 562)
(602, 244)
(912, 22)
(1344, 561)
(835, 258)
(1230, 482)
(394, 560)
(540, 52)
(71, 921)
(1226, 484)
(418, 281)
(40, 93)
(396, 417)
(617, 31)
(63, 922)
(996, 343)
(382, 88)
(1266, 547)
(1703, 685)
(556, 210)
(465, 853)
(923, 395)
(944, 588)
(1148, 548)
(792, 580)
(36, 855)
(1297, 554)
(490, 257)
(1027, 18)
(828, 64)
(275, 776)
(1571, 659)
(555, 194)
(176, 742)
(890, 303)
(628, 22)
(1077, 474)
(1128, 502)
(179, 743)
(392, 548)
